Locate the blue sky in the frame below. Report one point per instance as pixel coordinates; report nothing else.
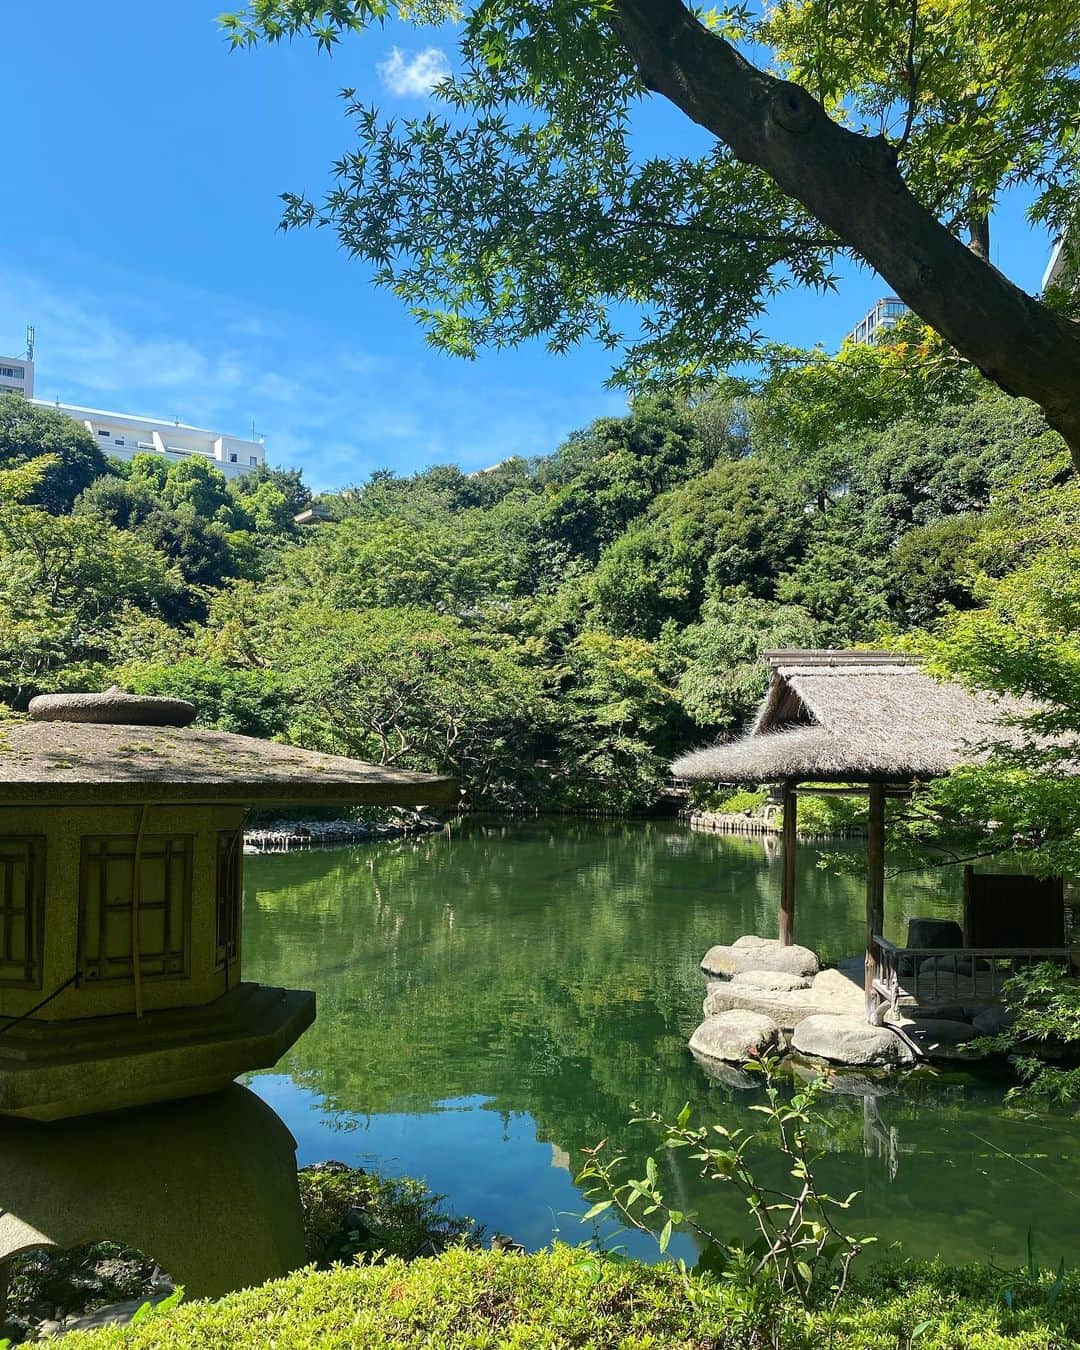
(138, 203)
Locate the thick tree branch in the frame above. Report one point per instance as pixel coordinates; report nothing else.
(852, 184)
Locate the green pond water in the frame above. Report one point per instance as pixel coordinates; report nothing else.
(494, 999)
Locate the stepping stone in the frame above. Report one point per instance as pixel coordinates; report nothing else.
(793, 960)
(752, 940)
(769, 979)
(851, 1040)
(786, 1007)
(735, 1036)
(838, 987)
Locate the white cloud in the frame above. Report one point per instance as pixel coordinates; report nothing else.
(416, 76)
(333, 409)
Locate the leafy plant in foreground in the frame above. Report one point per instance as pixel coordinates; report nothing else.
(797, 1243)
(1045, 1002)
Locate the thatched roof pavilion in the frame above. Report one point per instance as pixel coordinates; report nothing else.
(849, 716)
(872, 723)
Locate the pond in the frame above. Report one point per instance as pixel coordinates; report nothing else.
(494, 999)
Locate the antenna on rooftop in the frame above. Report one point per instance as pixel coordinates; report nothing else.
(29, 341)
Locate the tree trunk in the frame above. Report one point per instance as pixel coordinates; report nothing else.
(852, 184)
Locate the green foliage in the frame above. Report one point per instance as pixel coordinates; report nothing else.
(67, 587)
(931, 569)
(351, 1214)
(1022, 642)
(1043, 1037)
(27, 433)
(617, 714)
(250, 702)
(465, 1299)
(554, 630)
(724, 676)
(974, 92)
(831, 815)
(797, 1248)
(522, 206)
(604, 478)
(403, 686)
(743, 801)
(812, 405)
(733, 527)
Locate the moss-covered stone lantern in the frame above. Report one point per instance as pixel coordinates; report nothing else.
(121, 863)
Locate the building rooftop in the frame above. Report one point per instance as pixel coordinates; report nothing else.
(864, 716)
(53, 759)
(115, 416)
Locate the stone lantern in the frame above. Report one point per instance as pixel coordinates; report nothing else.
(121, 877)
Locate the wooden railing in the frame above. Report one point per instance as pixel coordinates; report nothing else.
(959, 975)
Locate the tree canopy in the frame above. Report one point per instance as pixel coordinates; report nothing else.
(555, 630)
(520, 206)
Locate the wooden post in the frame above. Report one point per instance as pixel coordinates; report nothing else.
(875, 888)
(787, 884)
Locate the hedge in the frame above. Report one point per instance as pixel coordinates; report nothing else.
(565, 1297)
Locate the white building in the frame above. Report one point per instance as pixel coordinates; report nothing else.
(1061, 269)
(877, 321)
(16, 376)
(124, 436)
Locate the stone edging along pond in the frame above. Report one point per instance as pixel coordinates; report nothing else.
(293, 835)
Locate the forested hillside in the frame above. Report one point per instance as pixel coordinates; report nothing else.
(552, 630)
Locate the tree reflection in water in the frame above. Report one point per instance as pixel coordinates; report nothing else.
(500, 996)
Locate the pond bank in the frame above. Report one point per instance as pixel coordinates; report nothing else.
(292, 835)
(747, 822)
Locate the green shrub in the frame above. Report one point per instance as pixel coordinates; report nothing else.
(349, 1212)
(570, 1297)
(735, 803)
(831, 815)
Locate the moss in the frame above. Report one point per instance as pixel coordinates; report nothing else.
(567, 1297)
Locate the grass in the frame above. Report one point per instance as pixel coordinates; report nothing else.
(564, 1298)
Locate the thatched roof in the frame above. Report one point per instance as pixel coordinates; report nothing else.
(853, 716)
(68, 762)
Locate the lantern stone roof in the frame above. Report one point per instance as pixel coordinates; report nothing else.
(846, 716)
(151, 756)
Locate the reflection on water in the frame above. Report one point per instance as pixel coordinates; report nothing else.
(494, 1001)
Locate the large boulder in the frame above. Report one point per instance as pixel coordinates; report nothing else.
(735, 1036)
(851, 1040)
(829, 993)
(768, 979)
(733, 960)
(934, 933)
(839, 987)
